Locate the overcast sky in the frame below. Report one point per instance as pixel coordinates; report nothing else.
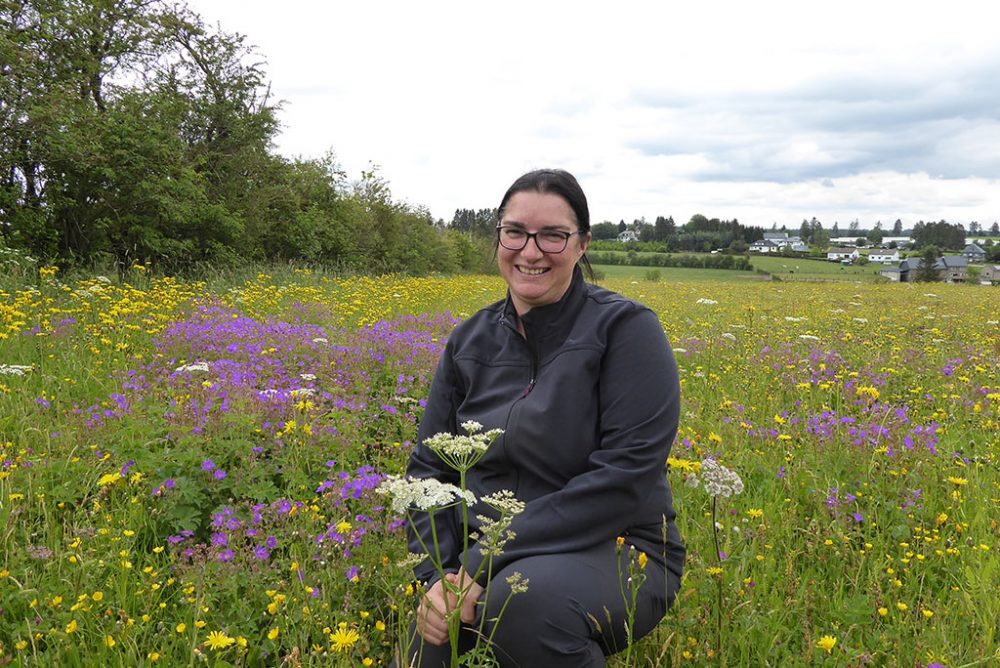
(764, 111)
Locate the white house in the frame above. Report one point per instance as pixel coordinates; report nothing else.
(884, 256)
(628, 235)
(839, 254)
(766, 246)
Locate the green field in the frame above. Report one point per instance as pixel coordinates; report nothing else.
(784, 268)
(628, 272)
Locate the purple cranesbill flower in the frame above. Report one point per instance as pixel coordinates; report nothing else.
(220, 539)
(226, 555)
(208, 465)
(858, 517)
(219, 474)
(781, 473)
(261, 553)
(352, 573)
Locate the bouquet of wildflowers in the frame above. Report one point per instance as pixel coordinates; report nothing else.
(461, 453)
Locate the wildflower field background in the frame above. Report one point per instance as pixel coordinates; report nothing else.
(187, 470)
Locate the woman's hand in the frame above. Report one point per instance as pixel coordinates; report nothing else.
(432, 611)
(440, 599)
(470, 591)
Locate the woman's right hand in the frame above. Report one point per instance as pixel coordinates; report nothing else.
(434, 607)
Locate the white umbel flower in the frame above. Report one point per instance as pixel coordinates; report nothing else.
(718, 480)
(422, 494)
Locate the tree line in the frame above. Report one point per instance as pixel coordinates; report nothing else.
(132, 132)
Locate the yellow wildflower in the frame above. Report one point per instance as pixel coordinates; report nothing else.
(826, 643)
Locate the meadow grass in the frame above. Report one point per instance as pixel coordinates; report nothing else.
(668, 274)
(784, 268)
(188, 468)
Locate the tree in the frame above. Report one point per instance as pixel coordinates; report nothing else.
(622, 226)
(805, 231)
(926, 271)
(604, 231)
(995, 229)
(664, 228)
(897, 228)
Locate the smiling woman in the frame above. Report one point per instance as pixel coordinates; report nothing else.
(583, 387)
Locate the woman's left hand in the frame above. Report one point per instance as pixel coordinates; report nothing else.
(469, 596)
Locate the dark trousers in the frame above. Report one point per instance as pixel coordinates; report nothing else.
(573, 613)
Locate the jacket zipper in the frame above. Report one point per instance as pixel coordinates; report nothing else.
(533, 356)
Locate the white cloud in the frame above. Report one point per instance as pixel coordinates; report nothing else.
(769, 112)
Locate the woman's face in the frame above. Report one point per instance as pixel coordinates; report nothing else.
(536, 278)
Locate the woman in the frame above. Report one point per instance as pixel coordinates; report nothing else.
(584, 385)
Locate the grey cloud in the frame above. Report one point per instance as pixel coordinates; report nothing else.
(855, 124)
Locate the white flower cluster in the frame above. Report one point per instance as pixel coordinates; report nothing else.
(504, 502)
(422, 494)
(14, 369)
(518, 583)
(717, 480)
(462, 452)
(197, 367)
(706, 301)
(495, 533)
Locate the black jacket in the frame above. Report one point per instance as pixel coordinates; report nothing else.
(589, 400)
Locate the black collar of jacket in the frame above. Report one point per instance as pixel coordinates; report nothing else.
(549, 324)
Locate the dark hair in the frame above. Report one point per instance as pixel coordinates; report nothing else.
(555, 182)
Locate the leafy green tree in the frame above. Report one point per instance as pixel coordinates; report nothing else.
(926, 271)
(604, 231)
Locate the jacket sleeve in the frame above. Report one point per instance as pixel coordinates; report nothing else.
(639, 407)
(439, 416)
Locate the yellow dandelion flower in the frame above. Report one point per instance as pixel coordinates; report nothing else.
(273, 634)
(957, 481)
(98, 596)
(902, 607)
(181, 628)
(153, 657)
(72, 626)
(217, 640)
(826, 643)
(882, 612)
(109, 641)
(343, 639)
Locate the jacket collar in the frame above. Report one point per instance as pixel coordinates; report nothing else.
(551, 320)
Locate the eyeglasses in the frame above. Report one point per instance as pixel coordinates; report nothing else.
(548, 241)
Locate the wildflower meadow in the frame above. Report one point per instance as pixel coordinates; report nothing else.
(189, 470)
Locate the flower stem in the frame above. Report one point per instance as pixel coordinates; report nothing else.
(718, 556)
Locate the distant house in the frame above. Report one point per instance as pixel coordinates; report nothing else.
(800, 247)
(884, 256)
(892, 273)
(628, 235)
(950, 269)
(990, 274)
(840, 254)
(973, 253)
(766, 246)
